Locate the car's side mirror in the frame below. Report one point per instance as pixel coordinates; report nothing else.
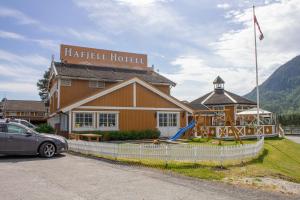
(28, 133)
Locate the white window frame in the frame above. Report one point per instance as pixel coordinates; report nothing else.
(98, 84)
(66, 82)
(84, 128)
(114, 128)
(177, 120)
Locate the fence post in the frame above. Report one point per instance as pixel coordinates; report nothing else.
(140, 152)
(166, 156)
(115, 150)
(222, 149)
(195, 154)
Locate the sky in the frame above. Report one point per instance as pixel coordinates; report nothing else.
(190, 42)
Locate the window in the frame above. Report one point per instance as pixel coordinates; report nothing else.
(167, 119)
(66, 82)
(2, 128)
(218, 108)
(12, 114)
(14, 129)
(108, 120)
(96, 84)
(83, 120)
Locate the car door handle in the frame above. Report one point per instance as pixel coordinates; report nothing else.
(10, 137)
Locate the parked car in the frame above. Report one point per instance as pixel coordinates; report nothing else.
(17, 139)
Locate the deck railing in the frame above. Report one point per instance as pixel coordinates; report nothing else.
(243, 131)
(169, 152)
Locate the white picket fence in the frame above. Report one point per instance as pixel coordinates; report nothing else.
(169, 152)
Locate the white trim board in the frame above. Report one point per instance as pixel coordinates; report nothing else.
(123, 84)
(208, 97)
(230, 97)
(128, 108)
(134, 94)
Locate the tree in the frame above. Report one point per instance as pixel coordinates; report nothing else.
(42, 85)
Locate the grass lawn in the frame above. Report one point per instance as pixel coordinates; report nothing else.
(216, 142)
(280, 158)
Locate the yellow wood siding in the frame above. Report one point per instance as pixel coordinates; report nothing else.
(137, 120)
(163, 88)
(147, 98)
(121, 98)
(78, 90)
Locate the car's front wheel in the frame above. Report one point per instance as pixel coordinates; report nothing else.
(47, 150)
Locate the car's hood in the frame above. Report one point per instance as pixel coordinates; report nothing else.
(52, 136)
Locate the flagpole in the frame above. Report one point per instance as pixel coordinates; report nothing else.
(256, 67)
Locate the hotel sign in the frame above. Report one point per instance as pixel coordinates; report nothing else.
(100, 57)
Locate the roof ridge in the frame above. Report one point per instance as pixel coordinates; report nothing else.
(230, 97)
(208, 97)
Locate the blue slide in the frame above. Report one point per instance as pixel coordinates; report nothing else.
(182, 131)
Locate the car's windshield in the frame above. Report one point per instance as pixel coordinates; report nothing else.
(29, 125)
(30, 130)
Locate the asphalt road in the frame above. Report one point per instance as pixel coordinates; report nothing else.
(295, 138)
(73, 177)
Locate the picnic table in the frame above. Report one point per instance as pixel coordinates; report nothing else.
(89, 136)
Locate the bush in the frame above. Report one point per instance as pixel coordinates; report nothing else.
(127, 135)
(44, 128)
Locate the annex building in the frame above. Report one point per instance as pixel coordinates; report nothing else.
(32, 111)
(95, 89)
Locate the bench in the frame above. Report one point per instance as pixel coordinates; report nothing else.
(89, 136)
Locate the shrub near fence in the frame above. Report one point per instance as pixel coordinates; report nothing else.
(169, 152)
(127, 135)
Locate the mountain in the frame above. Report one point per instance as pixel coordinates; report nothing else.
(280, 93)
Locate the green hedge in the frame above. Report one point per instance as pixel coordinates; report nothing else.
(44, 128)
(126, 135)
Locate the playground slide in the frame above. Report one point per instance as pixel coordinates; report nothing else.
(182, 131)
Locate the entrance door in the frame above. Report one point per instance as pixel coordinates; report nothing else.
(168, 123)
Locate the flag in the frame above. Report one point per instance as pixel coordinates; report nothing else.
(261, 36)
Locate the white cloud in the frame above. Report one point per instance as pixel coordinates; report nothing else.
(88, 35)
(122, 15)
(45, 43)
(19, 73)
(22, 18)
(153, 19)
(140, 2)
(235, 50)
(223, 6)
(279, 23)
(11, 35)
(195, 77)
(30, 60)
(17, 87)
(16, 14)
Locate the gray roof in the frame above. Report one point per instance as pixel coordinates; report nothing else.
(109, 73)
(218, 80)
(222, 97)
(24, 106)
(197, 106)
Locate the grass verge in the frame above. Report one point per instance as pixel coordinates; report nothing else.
(280, 159)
